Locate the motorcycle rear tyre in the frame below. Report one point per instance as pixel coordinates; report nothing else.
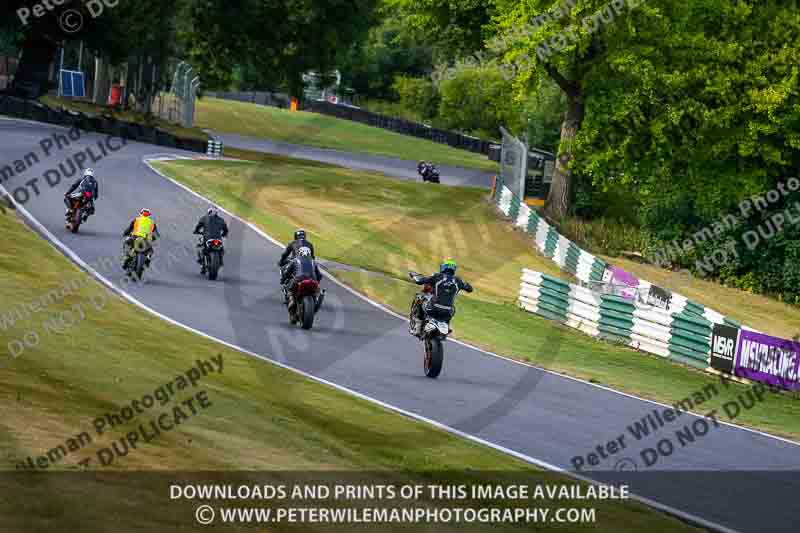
(307, 307)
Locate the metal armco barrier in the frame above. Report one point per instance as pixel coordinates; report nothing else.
(33, 110)
(254, 97)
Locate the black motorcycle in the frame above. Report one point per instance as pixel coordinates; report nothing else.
(433, 332)
(213, 250)
(430, 174)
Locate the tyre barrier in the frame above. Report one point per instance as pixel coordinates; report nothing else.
(38, 112)
(589, 268)
(672, 334)
(215, 149)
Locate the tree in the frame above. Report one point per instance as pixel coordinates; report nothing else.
(455, 28)
(704, 107)
(417, 95)
(474, 99)
(281, 38)
(391, 48)
(144, 28)
(569, 42)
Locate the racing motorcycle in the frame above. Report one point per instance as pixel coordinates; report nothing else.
(213, 251)
(138, 258)
(305, 300)
(430, 174)
(433, 332)
(78, 212)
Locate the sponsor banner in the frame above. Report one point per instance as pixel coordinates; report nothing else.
(724, 340)
(621, 278)
(658, 297)
(771, 360)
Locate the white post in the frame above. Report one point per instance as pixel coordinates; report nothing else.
(60, 68)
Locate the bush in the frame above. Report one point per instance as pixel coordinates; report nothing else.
(417, 95)
(477, 99)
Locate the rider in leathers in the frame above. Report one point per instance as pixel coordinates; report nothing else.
(302, 267)
(441, 305)
(87, 183)
(211, 226)
(292, 250)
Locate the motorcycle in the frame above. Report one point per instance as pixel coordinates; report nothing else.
(430, 174)
(213, 251)
(138, 257)
(433, 332)
(304, 302)
(77, 214)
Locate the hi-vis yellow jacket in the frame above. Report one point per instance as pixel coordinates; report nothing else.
(143, 227)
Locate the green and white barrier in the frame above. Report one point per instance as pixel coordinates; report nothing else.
(693, 317)
(675, 334)
(566, 254)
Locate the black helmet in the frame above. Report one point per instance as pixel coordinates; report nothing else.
(299, 235)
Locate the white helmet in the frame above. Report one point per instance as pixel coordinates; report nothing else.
(88, 172)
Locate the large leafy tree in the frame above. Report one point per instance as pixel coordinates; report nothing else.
(391, 48)
(576, 44)
(704, 110)
(281, 38)
(456, 28)
(141, 28)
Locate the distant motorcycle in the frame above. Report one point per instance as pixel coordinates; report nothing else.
(430, 174)
(78, 213)
(305, 300)
(138, 257)
(433, 332)
(213, 250)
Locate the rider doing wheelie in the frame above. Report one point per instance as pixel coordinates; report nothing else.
(441, 303)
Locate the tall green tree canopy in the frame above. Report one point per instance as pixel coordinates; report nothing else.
(281, 38)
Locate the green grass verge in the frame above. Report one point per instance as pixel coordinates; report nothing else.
(261, 417)
(389, 227)
(328, 132)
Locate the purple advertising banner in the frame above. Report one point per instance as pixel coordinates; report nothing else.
(621, 277)
(768, 359)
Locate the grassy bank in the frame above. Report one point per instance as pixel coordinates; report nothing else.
(327, 132)
(388, 227)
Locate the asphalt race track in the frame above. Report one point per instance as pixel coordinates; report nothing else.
(739, 479)
(397, 168)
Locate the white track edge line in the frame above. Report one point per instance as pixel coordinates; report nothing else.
(56, 243)
(462, 343)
